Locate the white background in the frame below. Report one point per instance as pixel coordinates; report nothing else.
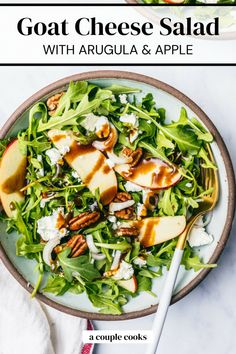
(16, 48)
(205, 321)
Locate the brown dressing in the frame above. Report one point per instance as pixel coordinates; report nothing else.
(60, 221)
(106, 169)
(16, 181)
(108, 195)
(142, 168)
(164, 176)
(96, 168)
(148, 235)
(104, 132)
(58, 137)
(111, 140)
(78, 150)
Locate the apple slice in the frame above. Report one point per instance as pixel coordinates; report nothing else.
(89, 163)
(156, 230)
(130, 284)
(12, 177)
(152, 173)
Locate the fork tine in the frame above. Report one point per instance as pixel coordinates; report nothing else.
(213, 181)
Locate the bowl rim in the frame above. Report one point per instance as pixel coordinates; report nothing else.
(115, 74)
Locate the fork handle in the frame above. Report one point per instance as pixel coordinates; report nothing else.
(165, 299)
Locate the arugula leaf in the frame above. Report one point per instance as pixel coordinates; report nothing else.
(119, 89)
(74, 93)
(192, 261)
(22, 228)
(184, 137)
(168, 204)
(135, 249)
(121, 246)
(56, 285)
(150, 273)
(163, 142)
(100, 226)
(37, 113)
(39, 144)
(79, 265)
(156, 152)
(23, 248)
(145, 284)
(3, 145)
(106, 306)
(207, 164)
(70, 116)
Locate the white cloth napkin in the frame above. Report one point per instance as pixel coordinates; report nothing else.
(27, 327)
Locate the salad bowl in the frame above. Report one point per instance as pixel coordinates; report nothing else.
(143, 303)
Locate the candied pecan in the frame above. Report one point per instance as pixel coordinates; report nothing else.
(134, 155)
(122, 197)
(127, 231)
(68, 217)
(52, 103)
(82, 220)
(78, 245)
(127, 213)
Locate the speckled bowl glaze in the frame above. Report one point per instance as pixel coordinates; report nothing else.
(220, 225)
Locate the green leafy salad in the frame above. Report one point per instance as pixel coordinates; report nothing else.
(100, 189)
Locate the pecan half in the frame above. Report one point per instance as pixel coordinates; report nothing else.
(128, 213)
(128, 231)
(134, 155)
(82, 220)
(78, 245)
(52, 103)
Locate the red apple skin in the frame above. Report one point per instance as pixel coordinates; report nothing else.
(159, 189)
(142, 174)
(8, 147)
(174, 1)
(11, 161)
(130, 284)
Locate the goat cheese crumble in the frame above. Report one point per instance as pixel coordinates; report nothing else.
(141, 210)
(76, 176)
(125, 271)
(94, 123)
(131, 119)
(132, 187)
(139, 261)
(123, 98)
(41, 170)
(199, 237)
(54, 155)
(48, 227)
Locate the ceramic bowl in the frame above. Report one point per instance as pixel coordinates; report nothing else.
(220, 225)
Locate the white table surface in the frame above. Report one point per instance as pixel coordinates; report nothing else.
(205, 321)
